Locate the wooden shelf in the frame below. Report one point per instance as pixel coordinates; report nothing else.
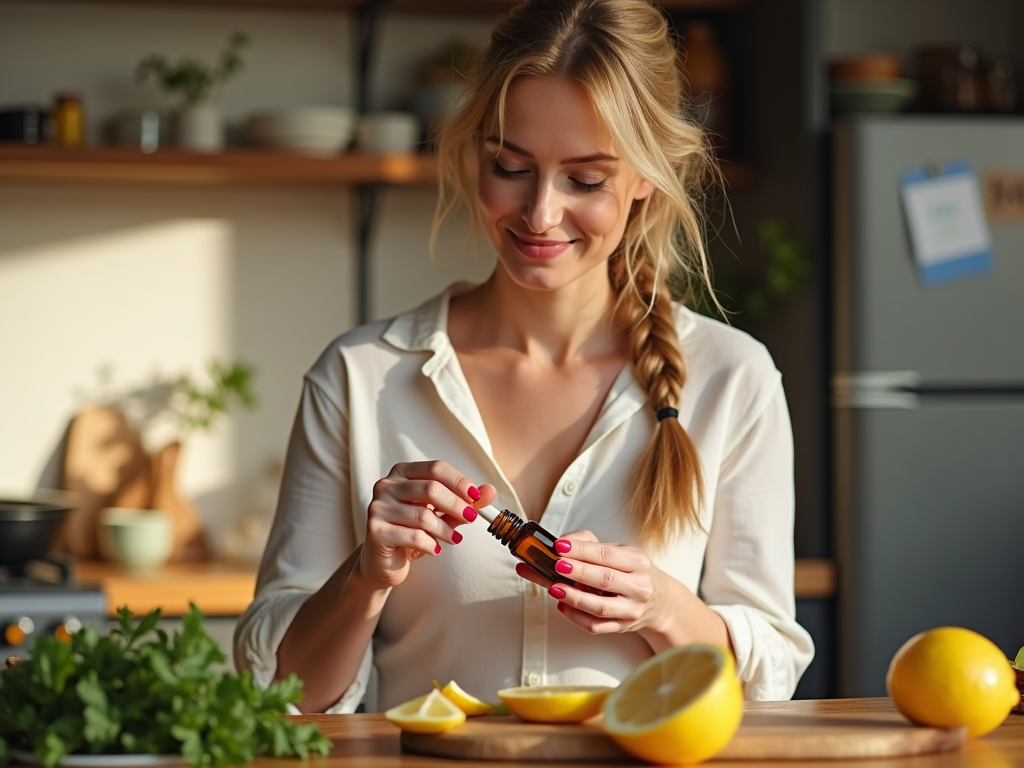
(427, 7)
(112, 165)
(236, 167)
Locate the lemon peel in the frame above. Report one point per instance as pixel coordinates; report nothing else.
(555, 703)
(952, 676)
(681, 706)
(431, 713)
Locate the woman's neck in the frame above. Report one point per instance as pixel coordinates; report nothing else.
(561, 325)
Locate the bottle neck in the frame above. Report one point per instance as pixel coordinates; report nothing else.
(506, 526)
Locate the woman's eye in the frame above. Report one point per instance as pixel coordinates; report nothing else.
(588, 187)
(499, 170)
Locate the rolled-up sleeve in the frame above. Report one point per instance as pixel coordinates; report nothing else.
(749, 561)
(312, 534)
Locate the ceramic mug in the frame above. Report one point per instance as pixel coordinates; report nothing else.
(140, 539)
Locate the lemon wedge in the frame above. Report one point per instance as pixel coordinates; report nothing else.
(555, 703)
(430, 713)
(952, 676)
(471, 705)
(680, 706)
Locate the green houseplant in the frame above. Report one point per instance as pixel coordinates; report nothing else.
(198, 122)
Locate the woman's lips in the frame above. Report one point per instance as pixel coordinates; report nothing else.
(539, 250)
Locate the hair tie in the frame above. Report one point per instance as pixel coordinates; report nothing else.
(667, 413)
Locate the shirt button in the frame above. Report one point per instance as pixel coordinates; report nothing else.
(533, 679)
(569, 488)
(533, 590)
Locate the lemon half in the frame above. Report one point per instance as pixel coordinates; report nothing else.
(430, 713)
(682, 705)
(555, 703)
(951, 676)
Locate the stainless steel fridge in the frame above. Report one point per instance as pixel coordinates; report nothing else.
(928, 404)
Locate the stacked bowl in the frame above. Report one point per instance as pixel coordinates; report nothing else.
(317, 130)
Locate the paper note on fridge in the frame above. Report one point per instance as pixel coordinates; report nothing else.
(946, 219)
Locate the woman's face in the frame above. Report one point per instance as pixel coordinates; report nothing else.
(554, 197)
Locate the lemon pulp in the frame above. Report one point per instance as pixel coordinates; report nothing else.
(951, 676)
(430, 713)
(682, 705)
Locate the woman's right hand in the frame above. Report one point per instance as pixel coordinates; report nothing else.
(417, 506)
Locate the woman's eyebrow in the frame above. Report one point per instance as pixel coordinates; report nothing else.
(598, 156)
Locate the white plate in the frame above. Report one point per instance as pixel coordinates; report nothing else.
(105, 761)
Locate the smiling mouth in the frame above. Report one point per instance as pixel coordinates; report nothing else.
(547, 249)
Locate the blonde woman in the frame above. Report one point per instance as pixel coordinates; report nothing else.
(568, 387)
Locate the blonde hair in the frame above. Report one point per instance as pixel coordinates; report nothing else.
(620, 52)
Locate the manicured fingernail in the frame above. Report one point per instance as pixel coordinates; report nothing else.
(556, 591)
(562, 546)
(437, 550)
(563, 567)
(474, 494)
(456, 537)
(470, 514)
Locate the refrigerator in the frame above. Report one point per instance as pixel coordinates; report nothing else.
(927, 401)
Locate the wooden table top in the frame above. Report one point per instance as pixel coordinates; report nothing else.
(369, 741)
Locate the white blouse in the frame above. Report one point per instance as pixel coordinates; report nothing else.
(393, 391)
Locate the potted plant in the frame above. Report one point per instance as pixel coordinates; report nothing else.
(198, 121)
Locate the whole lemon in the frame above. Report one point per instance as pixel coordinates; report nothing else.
(951, 676)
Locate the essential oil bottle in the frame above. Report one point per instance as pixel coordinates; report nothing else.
(527, 540)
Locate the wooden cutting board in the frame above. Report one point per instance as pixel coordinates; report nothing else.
(767, 733)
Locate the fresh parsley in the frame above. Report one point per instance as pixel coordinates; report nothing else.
(139, 690)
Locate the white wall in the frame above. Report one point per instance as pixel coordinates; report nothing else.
(148, 280)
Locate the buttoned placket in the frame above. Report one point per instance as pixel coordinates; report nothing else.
(624, 399)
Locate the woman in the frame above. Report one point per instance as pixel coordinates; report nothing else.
(568, 387)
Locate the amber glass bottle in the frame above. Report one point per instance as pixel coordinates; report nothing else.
(527, 540)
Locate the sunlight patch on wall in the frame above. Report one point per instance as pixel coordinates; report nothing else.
(140, 302)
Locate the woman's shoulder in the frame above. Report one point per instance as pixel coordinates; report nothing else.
(712, 348)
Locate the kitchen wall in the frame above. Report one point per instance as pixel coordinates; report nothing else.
(149, 281)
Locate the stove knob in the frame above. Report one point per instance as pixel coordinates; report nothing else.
(16, 633)
(66, 629)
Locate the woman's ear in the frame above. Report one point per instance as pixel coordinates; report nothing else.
(643, 189)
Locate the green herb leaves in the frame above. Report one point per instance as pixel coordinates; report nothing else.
(139, 690)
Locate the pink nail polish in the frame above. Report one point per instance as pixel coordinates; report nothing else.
(556, 591)
(474, 494)
(562, 546)
(456, 537)
(563, 567)
(437, 550)
(470, 514)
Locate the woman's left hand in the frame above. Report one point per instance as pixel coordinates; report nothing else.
(618, 588)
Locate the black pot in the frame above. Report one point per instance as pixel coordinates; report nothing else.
(29, 528)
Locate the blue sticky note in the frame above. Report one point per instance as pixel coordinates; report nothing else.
(946, 219)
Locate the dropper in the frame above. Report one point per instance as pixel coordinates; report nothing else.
(489, 513)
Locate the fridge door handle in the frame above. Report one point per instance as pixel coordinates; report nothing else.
(876, 389)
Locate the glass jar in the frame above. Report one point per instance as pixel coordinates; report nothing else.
(68, 121)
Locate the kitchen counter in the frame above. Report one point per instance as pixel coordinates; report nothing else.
(226, 589)
(370, 741)
(217, 589)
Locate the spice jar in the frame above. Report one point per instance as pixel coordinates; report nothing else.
(68, 121)
(950, 78)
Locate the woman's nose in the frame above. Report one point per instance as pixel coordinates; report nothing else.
(544, 210)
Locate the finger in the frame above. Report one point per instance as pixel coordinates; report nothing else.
(488, 493)
(589, 623)
(437, 496)
(409, 527)
(564, 545)
(444, 473)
